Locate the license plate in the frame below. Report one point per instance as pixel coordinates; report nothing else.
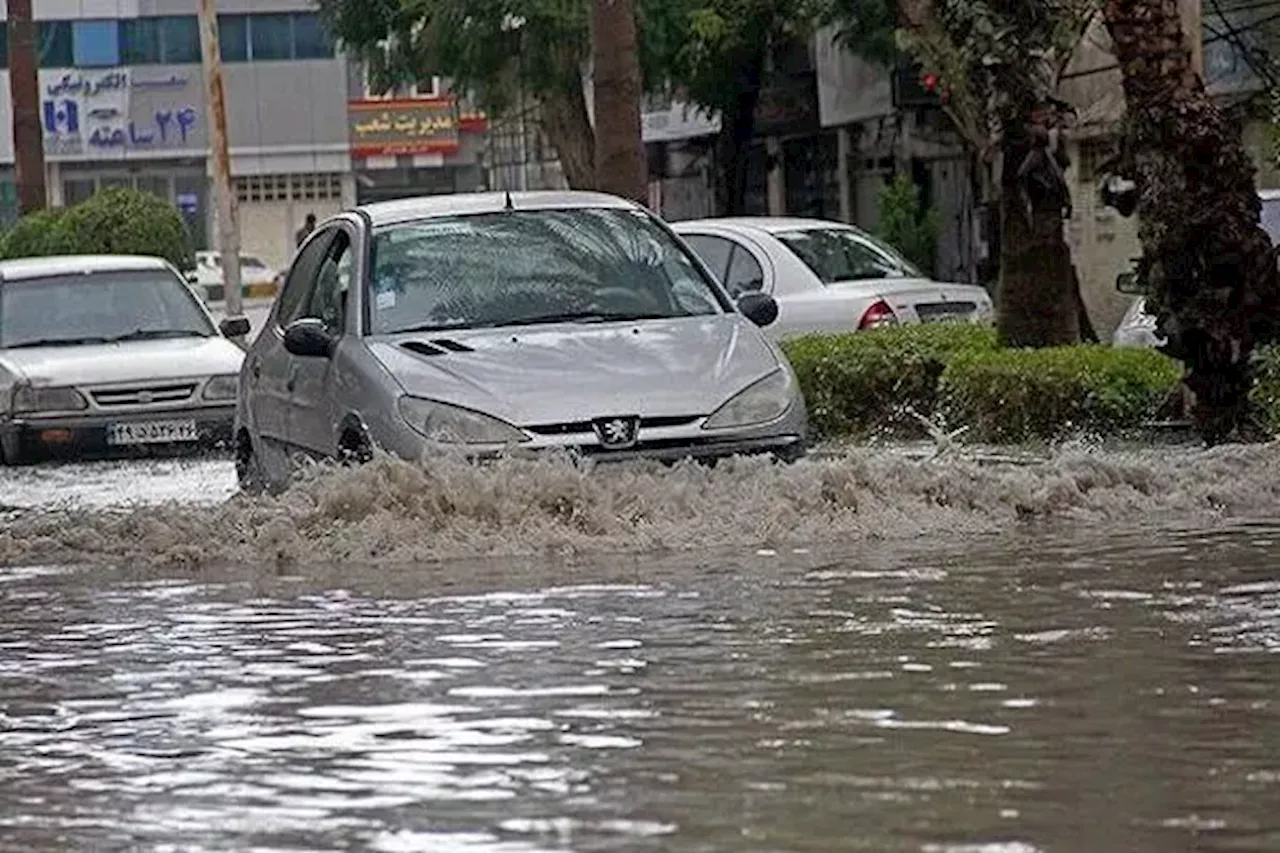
(153, 432)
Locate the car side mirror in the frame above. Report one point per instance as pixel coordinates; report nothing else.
(308, 338)
(234, 327)
(759, 308)
(1127, 282)
(193, 277)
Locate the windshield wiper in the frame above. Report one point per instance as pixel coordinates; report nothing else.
(155, 335)
(57, 342)
(584, 317)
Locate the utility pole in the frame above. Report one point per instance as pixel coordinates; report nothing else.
(228, 214)
(24, 94)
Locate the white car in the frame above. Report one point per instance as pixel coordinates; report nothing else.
(208, 275)
(110, 353)
(826, 277)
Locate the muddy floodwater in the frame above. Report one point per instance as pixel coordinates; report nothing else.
(866, 653)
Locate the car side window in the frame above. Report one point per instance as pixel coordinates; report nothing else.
(714, 252)
(296, 295)
(328, 301)
(745, 273)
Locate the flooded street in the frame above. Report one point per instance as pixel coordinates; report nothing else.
(932, 675)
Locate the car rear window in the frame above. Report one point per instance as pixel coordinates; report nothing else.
(102, 305)
(839, 255)
(514, 267)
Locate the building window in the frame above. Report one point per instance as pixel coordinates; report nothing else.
(56, 44)
(140, 41)
(4, 45)
(180, 40)
(310, 38)
(289, 188)
(96, 44)
(271, 37)
(170, 39)
(233, 37)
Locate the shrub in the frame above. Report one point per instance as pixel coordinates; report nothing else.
(116, 221)
(37, 234)
(864, 382)
(1266, 388)
(906, 224)
(1020, 394)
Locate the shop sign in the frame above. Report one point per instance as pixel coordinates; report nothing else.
(412, 126)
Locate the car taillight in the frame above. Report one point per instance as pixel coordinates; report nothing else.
(877, 316)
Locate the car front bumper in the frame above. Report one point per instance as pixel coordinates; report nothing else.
(87, 435)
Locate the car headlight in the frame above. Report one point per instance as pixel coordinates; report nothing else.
(761, 402)
(30, 400)
(222, 387)
(454, 425)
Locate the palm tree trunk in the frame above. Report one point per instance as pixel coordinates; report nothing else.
(621, 167)
(564, 118)
(1208, 266)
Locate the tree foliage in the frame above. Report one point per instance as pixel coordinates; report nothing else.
(906, 224)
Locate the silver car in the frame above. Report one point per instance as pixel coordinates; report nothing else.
(827, 277)
(494, 322)
(110, 353)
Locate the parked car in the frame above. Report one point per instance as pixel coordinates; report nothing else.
(103, 353)
(1138, 328)
(827, 276)
(490, 322)
(255, 276)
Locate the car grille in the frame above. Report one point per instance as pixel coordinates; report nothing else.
(145, 396)
(933, 312)
(585, 427)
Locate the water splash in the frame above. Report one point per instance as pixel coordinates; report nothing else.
(390, 511)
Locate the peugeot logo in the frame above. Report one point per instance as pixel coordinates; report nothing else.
(146, 397)
(617, 433)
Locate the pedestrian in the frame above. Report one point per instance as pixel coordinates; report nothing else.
(306, 229)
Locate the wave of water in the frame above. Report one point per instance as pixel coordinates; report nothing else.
(390, 511)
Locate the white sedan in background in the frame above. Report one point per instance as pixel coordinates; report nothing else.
(827, 277)
(258, 278)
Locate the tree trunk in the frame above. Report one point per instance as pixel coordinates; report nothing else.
(568, 127)
(1038, 300)
(24, 93)
(737, 125)
(1208, 266)
(621, 167)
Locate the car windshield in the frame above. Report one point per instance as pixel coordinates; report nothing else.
(528, 267)
(839, 254)
(98, 307)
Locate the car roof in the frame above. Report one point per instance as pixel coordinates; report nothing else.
(466, 204)
(29, 268)
(769, 224)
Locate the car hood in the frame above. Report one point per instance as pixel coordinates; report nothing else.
(124, 362)
(572, 373)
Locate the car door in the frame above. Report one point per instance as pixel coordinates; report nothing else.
(317, 398)
(269, 366)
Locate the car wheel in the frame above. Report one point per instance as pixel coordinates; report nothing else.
(249, 471)
(354, 449)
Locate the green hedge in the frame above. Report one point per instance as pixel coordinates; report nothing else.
(866, 383)
(876, 382)
(116, 221)
(1021, 394)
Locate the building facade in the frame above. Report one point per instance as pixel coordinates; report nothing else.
(123, 105)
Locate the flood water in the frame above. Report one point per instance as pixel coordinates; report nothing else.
(1103, 674)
